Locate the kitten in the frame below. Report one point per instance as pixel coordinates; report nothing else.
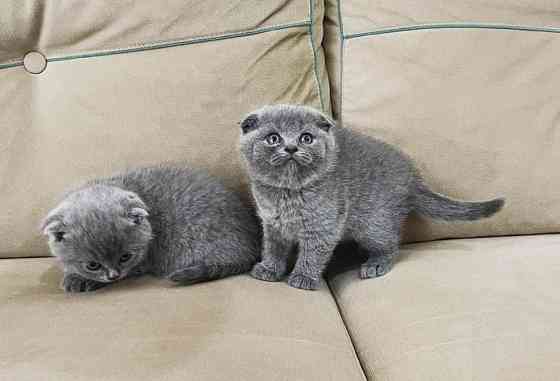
(316, 185)
(170, 222)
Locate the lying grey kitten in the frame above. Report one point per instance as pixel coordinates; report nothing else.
(316, 185)
(170, 222)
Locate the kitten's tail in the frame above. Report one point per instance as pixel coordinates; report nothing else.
(437, 206)
(202, 272)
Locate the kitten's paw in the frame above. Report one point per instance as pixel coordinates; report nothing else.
(75, 283)
(304, 282)
(262, 272)
(375, 267)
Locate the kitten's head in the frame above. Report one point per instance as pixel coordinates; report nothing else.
(287, 146)
(100, 232)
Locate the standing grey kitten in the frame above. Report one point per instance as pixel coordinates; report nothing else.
(316, 185)
(170, 222)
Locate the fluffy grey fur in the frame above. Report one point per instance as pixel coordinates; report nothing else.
(316, 185)
(170, 222)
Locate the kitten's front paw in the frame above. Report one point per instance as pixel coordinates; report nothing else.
(262, 272)
(375, 267)
(75, 283)
(304, 282)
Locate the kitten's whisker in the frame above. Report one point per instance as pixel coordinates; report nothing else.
(304, 158)
(278, 159)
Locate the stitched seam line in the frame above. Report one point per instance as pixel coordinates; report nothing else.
(466, 25)
(190, 41)
(348, 333)
(170, 44)
(312, 42)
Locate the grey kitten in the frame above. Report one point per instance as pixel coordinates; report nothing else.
(316, 185)
(170, 222)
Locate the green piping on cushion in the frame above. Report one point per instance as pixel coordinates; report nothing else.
(313, 48)
(170, 44)
(341, 26)
(407, 28)
(452, 26)
(9, 65)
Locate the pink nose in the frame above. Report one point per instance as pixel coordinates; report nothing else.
(113, 274)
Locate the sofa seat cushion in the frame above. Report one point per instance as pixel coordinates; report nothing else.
(470, 309)
(148, 329)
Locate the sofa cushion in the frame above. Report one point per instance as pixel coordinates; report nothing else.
(60, 29)
(146, 329)
(361, 16)
(474, 104)
(469, 309)
(128, 85)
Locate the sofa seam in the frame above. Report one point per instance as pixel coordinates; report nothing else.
(314, 52)
(347, 330)
(341, 54)
(459, 25)
(140, 47)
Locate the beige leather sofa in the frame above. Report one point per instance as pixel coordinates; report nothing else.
(470, 89)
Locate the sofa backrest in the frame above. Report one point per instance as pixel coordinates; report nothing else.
(469, 89)
(137, 83)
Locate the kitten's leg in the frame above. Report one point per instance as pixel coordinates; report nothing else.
(382, 255)
(75, 283)
(315, 252)
(275, 255)
(201, 272)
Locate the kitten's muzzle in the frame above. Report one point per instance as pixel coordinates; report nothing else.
(291, 149)
(113, 275)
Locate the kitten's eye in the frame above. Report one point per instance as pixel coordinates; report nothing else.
(93, 266)
(273, 139)
(306, 138)
(58, 236)
(125, 258)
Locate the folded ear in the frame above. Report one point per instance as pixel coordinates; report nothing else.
(250, 123)
(137, 215)
(51, 223)
(325, 123)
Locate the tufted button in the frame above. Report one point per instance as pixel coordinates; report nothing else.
(34, 62)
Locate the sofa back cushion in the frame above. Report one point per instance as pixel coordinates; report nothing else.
(129, 84)
(469, 90)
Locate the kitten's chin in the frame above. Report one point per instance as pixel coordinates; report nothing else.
(288, 181)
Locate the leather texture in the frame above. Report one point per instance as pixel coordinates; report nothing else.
(467, 309)
(364, 15)
(144, 329)
(91, 116)
(117, 24)
(474, 105)
(468, 88)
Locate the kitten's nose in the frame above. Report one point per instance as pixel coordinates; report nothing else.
(113, 274)
(291, 149)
